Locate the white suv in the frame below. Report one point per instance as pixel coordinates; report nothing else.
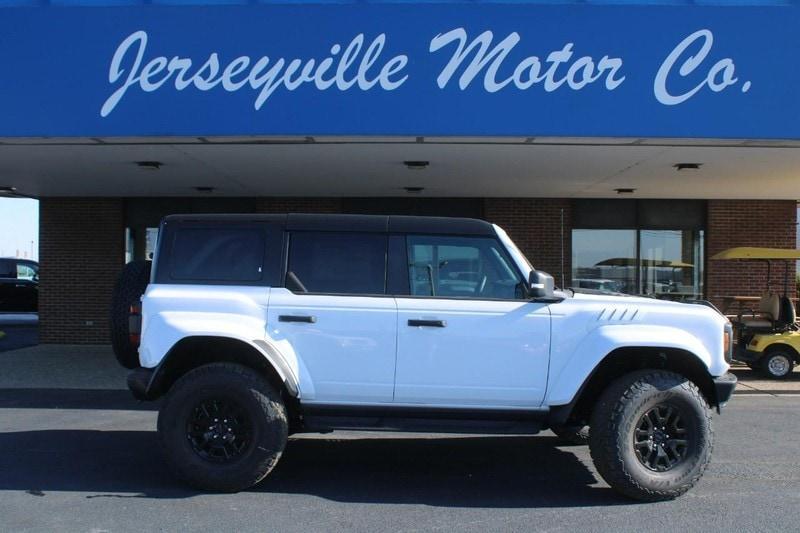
(254, 327)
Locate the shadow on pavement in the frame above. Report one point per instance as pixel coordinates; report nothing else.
(16, 337)
(114, 399)
(752, 382)
(746, 375)
(503, 472)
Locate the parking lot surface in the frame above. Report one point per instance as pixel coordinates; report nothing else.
(82, 455)
(18, 330)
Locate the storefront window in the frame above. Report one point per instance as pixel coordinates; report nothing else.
(671, 264)
(604, 259)
(140, 243)
(666, 264)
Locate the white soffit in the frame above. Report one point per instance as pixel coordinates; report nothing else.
(310, 166)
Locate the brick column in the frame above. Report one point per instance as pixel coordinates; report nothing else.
(299, 205)
(763, 223)
(535, 226)
(81, 248)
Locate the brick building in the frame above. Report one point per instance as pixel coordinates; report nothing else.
(616, 166)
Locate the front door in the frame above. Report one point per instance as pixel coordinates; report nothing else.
(467, 336)
(335, 315)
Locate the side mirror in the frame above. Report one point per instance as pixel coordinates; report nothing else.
(541, 285)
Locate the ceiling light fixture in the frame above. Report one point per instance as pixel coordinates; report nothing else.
(687, 166)
(149, 165)
(625, 190)
(416, 165)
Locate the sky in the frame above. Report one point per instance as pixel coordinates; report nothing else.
(19, 225)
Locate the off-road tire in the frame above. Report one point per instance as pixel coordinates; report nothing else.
(767, 364)
(130, 286)
(617, 413)
(258, 400)
(572, 434)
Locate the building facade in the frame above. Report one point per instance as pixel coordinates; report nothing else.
(621, 145)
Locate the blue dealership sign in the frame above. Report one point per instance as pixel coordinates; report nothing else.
(401, 69)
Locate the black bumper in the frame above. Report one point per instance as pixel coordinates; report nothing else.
(139, 383)
(723, 386)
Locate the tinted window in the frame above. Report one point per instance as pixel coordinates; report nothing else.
(7, 269)
(338, 263)
(467, 267)
(218, 254)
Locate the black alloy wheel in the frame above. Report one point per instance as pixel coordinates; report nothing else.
(660, 439)
(219, 430)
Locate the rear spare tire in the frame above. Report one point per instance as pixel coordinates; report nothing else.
(223, 427)
(651, 435)
(130, 286)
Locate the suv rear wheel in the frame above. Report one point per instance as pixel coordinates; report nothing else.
(222, 427)
(651, 435)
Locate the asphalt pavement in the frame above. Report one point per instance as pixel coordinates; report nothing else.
(81, 455)
(18, 330)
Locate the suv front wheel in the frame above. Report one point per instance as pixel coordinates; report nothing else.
(222, 427)
(651, 435)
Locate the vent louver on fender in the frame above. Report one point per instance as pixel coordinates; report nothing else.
(618, 314)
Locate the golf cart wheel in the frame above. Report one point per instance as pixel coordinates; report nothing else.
(130, 286)
(651, 436)
(777, 364)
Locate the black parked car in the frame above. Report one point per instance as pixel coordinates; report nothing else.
(19, 285)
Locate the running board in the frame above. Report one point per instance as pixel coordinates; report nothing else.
(324, 418)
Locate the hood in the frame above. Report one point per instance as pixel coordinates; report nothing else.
(625, 299)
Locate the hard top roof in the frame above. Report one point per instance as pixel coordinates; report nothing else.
(361, 223)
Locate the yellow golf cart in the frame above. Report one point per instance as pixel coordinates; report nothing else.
(766, 337)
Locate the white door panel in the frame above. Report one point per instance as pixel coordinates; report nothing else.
(488, 353)
(348, 351)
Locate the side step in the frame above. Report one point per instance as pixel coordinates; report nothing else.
(325, 418)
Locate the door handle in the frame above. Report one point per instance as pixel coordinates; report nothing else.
(297, 318)
(427, 323)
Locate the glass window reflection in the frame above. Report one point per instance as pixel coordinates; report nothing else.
(665, 264)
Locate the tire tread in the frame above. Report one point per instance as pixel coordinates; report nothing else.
(270, 404)
(609, 413)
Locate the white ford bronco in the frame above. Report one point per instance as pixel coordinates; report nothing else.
(255, 327)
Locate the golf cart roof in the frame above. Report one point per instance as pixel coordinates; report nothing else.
(632, 261)
(747, 252)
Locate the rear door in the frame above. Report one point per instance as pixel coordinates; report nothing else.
(335, 315)
(467, 334)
